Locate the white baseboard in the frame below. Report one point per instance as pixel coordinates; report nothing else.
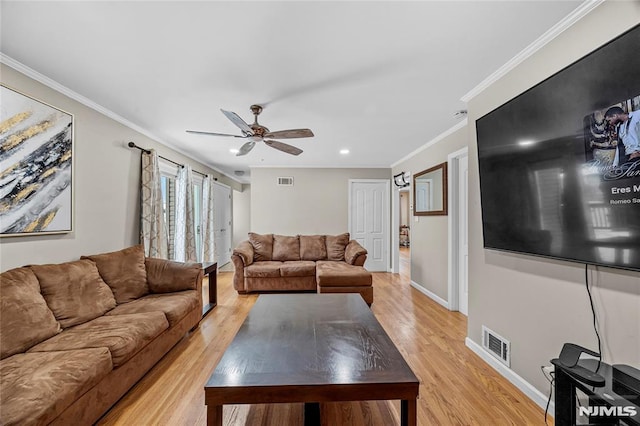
(534, 394)
(430, 295)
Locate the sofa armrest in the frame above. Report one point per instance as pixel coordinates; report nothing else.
(355, 254)
(245, 251)
(167, 276)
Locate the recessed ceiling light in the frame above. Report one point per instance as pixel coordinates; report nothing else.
(234, 150)
(344, 151)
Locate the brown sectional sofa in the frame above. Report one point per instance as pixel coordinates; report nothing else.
(76, 336)
(322, 263)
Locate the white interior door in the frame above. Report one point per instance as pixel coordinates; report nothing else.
(463, 235)
(222, 222)
(369, 220)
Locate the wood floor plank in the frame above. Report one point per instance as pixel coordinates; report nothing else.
(456, 386)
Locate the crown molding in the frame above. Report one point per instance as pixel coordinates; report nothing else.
(432, 142)
(41, 78)
(566, 23)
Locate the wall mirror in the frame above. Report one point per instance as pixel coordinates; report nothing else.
(430, 191)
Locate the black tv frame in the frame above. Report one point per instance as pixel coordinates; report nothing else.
(587, 103)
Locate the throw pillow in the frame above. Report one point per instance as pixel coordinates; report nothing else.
(286, 248)
(124, 272)
(336, 245)
(74, 291)
(313, 247)
(262, 246)
(26, 318)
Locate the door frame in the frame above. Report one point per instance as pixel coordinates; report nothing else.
(230, 227)
(454, 226)
(385, 212)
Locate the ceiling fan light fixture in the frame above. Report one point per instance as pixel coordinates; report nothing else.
(234, 150)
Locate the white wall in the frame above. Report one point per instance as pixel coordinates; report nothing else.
(106, 181)
(539, 304)
(317, 203)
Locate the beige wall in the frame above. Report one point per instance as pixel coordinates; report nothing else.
(539, 304)
(429, 236)
(241, 214)
(317, 203)
(106, 180)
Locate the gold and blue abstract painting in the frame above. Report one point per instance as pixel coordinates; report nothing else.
(36, 166)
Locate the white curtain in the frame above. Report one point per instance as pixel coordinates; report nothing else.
(185, 235)
(153, 230)
(209, 249)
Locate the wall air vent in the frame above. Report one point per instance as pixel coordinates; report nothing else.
(496, 345)
(285, 181)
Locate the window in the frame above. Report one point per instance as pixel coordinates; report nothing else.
(197, 212)
(168, 175)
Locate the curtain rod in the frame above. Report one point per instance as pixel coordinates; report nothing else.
(147, 151)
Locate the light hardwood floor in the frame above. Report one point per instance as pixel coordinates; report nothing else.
(456, 386)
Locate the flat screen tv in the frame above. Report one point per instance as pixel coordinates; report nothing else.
(559, 179)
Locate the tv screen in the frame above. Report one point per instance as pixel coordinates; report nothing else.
(560, 163)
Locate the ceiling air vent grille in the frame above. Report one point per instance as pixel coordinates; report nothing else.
(496, 345)
(285, 181)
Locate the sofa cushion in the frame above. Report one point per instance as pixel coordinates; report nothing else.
(26, 318)
(313, 247)
(167, 276)
(336, 245)
(262, 246)
(263, 269)
(124, 272)
(286, 248)
(123, 335)
(174, 305)
(336, 274)
(37, 387)
(74, 291)
(300, 268)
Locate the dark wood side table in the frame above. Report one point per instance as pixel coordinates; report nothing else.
(609, 396)
(211, 271)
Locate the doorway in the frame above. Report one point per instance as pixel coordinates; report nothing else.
(222, 223)
(369, 220)
(458, 230)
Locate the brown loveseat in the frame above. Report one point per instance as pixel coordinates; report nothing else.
(76, 336)
(326, 263)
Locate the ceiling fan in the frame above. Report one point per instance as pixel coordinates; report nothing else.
(257, 133)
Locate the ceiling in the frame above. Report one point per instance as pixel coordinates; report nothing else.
(378, 78)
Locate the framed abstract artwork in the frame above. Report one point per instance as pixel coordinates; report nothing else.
(36, 166)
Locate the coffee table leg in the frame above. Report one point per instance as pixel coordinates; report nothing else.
(408, 412)
(214, 415)
(311, 414)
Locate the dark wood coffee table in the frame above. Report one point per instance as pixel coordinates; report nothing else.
(311, 348)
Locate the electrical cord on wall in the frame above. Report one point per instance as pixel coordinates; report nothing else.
(593, 312)
(551, 378)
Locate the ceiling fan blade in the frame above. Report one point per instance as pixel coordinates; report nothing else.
(244, 149)
(289, 149)
(290, 134)
(197, 132)
(235, 119)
